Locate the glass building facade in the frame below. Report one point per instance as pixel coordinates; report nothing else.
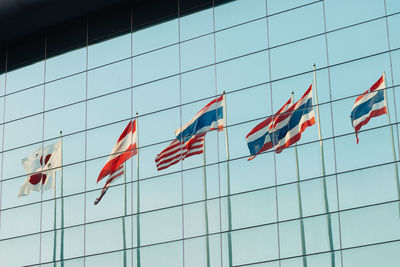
(190, 214)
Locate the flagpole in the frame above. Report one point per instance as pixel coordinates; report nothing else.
(62, 204)
(123, 218)
(55, 222)
(303, 242)
(205, 205)
(137, 197)
(228, 185)
(396, 171)
(325, 191)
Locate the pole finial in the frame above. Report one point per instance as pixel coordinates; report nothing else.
(60, 132)
(137, 113)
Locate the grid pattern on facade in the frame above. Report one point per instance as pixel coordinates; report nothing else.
(258, 53)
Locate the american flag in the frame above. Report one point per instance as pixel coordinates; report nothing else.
(177, 151)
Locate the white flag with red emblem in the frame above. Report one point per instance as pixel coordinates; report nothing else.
(40, 167)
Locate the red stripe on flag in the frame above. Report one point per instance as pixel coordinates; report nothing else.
(289, 111)
(296, 137)
(374, 113)
(116, 162)
(260, 126)
(177, 151)
(130, 128)
(373, 88)
(112, 178)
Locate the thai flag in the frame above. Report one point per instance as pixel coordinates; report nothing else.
(209, 118)
(260, 139)
(287, 128)
(124, 149)
(371, 103)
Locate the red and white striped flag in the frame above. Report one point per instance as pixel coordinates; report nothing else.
(177, 151)
(124, 149)
(110, 179)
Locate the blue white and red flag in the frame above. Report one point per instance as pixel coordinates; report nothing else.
(260, 139)
(209, 118)
(287, 128)
(371, 103)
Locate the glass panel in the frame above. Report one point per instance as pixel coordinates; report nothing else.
(238, 12)
(197, 53)
(99, 54)
(155, 37)
(198, 84)
(65, 91)
(66, 64)
(162, 225)
(33, 75)
(69, 120)
(392, 6)
(110, 78)
(13, 221)
(169, 255)
(10, 251)
(109, 259)
(194, 220)
(241, 40)
(296, 24)
(306, 53)
(156, 65)
(160, 192)
(351, 12)
(31, 100)
(394, 31)
(196, 24)
(368, 186)
(242, 72)
(377, 255)
(255, 245)
(361, 40)
(253, 208)
(14, 137)
(108, 109)
(275, 6)
(106, 241)
(370, 225)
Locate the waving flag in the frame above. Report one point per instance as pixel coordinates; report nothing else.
(259, 139)
(40, 166)
(209, 118)
(123, 150)
(287, 128)
(177, 151)
(371, 103)
(110, 179)
(190, 138)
